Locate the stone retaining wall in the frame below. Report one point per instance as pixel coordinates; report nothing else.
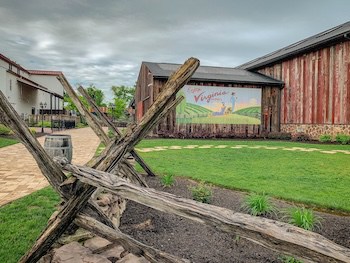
(315, 130)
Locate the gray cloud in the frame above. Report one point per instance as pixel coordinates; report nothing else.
(104, 42)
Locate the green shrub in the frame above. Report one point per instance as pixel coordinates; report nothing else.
(4, 130)
(301, 137)
(279, 135)
(81, 125)
(110, 133)
(289, 259)
(257, 204)
(167, 180)
(325, 138)
(46, 124)
(304, 218)
(342, 138)
(201, 193)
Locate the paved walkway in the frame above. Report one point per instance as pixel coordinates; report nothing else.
(19, 173)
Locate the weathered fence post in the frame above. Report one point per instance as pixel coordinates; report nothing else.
(60, 224)
(115, 130)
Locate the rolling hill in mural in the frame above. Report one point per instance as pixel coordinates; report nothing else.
(192, 109)
(217, 105)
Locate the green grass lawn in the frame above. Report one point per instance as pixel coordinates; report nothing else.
(5, 142)
(22, 221)
(312, 178)
(224, 119)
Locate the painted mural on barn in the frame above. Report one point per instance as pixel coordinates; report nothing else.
(219, 105)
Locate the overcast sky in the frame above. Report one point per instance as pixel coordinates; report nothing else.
(104, 42)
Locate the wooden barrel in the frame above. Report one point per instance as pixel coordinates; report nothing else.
(59, 145)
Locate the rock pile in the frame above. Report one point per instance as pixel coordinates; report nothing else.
(112, 205)
(93, 250)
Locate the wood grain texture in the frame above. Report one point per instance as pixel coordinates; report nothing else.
(113, 153)
(269, 233)
(93, 123)
(48, 167)
(316, 86)
(59, 225)
(105, 120)
(169, 128)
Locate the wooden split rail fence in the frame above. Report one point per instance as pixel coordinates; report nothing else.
(112, 173)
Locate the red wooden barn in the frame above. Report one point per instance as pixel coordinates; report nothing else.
(316, 73)
(219, 102)
(302, 88)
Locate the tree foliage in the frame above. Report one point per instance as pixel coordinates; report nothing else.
(122, 96)
(123, 92)
(69, 105)
(97, 95)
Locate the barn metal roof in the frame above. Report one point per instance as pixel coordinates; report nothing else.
(215, 74)
(341, 32)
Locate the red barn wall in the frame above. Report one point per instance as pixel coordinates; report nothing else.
(143, 92)
(169, 128)
(316, 96)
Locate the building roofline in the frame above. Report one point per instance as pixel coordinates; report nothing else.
(38, 86)
(325, 38)
(13, 63)
(255, 83)
(31, 72)
(215, 74)
(45, 72)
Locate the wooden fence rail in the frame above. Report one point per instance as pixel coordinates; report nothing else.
(273, 234)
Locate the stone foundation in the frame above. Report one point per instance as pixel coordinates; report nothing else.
(315, 130)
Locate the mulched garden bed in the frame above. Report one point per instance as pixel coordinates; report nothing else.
(199, 243)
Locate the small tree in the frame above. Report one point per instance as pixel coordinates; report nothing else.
(122, 96)
(124, 93)
(117, 109)
(69, 105)
(97, 95)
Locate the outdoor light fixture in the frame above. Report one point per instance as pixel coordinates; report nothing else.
(42, 107)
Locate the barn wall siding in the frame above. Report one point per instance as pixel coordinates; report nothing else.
(317, 86)
(143, 92)
(270, 121)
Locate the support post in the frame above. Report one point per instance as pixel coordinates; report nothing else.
(111, 125)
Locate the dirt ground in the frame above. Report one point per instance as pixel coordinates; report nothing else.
(199, 243)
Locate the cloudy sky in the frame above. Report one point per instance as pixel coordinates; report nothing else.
(104, 42)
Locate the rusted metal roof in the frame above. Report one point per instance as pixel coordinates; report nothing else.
(328, 37)
(215, 74)
(45, 72)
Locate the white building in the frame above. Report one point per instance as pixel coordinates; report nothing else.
(29, 91)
